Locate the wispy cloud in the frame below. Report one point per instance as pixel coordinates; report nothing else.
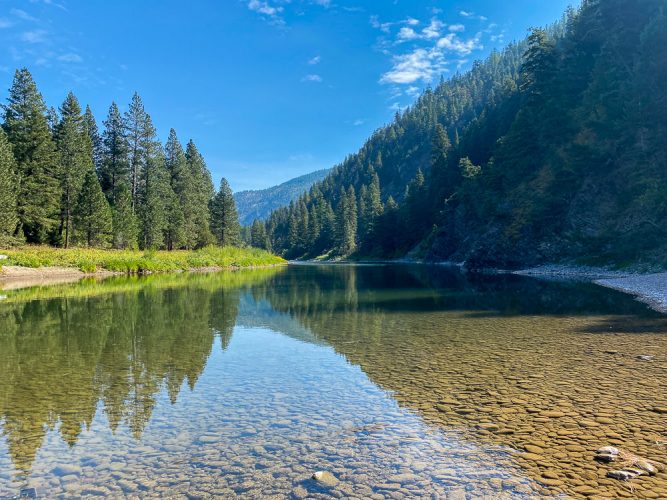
(34, 36)
(358, 122)
(312, 78)
(70, 57)
(315, 60)
(457, 28)
(5, 23)
(264, 8)
(23, 15)
(452, 43)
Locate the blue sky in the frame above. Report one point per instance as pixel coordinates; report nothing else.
(268, 89)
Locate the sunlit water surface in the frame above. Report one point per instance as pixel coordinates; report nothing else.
(400, 381)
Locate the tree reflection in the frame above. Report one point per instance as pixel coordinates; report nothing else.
(118, 342)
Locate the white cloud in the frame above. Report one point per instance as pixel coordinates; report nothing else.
(312, 78)
(457, 28)
(265, 8)
(466, 13)
(36, 36)
(315, 60)
(407, 34)
(433, 29)
(413, 91)
(375, 23)
(411, 21)
(358, 122)
(420, 64)
(323, 3)
(452, 43)
(70, 57)
(4, 23)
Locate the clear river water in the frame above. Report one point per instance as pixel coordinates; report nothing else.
(396, 381)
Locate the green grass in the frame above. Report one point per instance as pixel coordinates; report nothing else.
(90, 260)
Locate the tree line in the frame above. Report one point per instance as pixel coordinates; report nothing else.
(65, 183)
(554, 148)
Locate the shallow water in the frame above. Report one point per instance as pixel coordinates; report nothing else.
(401, 381)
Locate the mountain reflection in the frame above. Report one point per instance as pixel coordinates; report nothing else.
(118, 343)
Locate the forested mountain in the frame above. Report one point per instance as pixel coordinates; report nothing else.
(260, 203)
(63, 183)
(554, 148)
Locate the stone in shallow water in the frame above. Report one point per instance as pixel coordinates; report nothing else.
(325, 478)
(66, 470)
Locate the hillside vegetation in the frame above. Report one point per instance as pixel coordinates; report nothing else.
(260, 203)
(553, 149)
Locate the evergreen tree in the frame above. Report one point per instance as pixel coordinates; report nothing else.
(175, 235)
(36, 157)
(182, 221)
(258, 238)
(94, 134)
(140, 136)
(224, 218)
(156, 195)
(115, 164)
(75, 148)
(346, 222)
(125, 222)
(203, 194)
(92, 217)
(8, 187)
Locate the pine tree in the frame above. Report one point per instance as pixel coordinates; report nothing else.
(92, 217)
(8, 187)
(36, 159)
(90, 125)
(203, 191)
(175, 235)
(224, 218)
(115, 164)
(258, 238)
(125, 223)
(140, 134)
(156, 194)
(346, 222)
(182, 183)
(75, 148)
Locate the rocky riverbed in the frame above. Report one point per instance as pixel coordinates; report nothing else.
(648, 288)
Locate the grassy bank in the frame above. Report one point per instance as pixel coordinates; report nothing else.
(90, 260)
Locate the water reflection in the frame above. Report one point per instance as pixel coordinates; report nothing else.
(186, 376)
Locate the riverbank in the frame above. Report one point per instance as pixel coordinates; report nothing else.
(45, 263)
(649, 288)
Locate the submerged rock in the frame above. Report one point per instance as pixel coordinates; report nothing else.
(625, 474)
(325, 478)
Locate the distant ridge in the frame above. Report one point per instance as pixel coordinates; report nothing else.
(259, 204)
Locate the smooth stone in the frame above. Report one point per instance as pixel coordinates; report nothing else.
(66, 470)
(326, 478)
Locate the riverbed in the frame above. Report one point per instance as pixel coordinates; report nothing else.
(397, 381)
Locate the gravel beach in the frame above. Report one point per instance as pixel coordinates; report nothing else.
(648, 288)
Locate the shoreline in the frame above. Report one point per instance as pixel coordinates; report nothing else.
(16, 277)
(648, 288)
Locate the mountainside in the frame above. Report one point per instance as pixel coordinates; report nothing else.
(259, 204)
(554, 149)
